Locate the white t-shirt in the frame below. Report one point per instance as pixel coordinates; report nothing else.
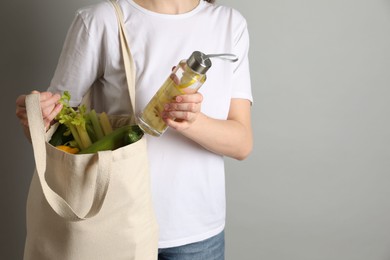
(188, 182)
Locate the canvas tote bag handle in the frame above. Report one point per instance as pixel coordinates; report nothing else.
(37, 132)
(57, 203)
(127, 57)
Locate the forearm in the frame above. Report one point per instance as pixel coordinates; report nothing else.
(226, 137)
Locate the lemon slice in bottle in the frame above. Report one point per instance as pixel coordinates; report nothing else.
(187, 80)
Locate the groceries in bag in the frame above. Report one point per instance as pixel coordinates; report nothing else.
(81, 131)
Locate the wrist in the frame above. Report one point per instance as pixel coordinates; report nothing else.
(196, 126)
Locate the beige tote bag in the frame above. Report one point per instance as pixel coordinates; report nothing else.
(90, 206)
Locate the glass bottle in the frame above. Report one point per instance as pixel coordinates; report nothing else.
(187, 77)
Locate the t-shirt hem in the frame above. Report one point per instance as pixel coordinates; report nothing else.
(192, 239)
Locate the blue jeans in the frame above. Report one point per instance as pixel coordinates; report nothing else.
(212, 248)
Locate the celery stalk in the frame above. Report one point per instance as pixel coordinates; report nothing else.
(105, 123)
(91, 131)
(76, 136)
(84, 137)
(80, 122)
(96, 125)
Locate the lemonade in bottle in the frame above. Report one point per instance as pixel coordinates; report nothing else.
(187, 77)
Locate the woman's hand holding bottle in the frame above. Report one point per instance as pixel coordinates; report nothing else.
(183, 111)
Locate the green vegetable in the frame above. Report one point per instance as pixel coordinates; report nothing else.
(96, 125)
(133, 135)
(90, 132)
(105, 123)
(61, 136)
(112, 141)
(75, 121)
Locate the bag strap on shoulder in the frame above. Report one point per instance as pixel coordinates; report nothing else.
(127, 57)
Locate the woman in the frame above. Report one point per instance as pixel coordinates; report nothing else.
(186, 163)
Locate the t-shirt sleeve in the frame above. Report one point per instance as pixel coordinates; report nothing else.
(241, 74)
(79, 64)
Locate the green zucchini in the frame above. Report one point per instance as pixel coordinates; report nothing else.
(112, 141)
(133, 135)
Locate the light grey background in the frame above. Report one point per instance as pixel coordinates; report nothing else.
(317, 186)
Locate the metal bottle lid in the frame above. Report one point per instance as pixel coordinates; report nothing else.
(199, 62)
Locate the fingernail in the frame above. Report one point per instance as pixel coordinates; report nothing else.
(166, 107)
(178, 99)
